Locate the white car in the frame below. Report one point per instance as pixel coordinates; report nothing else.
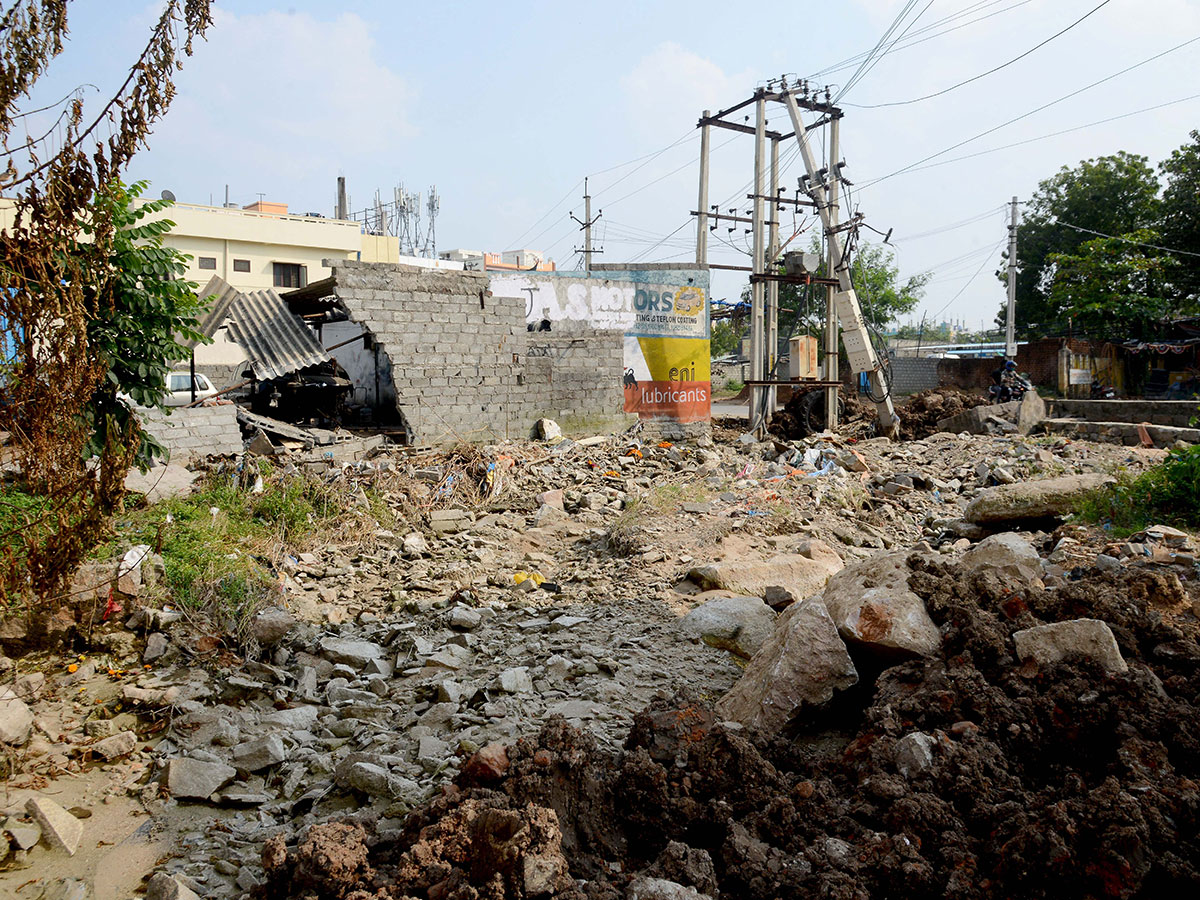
(179, 388)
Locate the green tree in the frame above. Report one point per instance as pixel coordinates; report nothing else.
(142, 308)
(1179, 224)
(1114, 194)
(1115, 287)
(726, 337)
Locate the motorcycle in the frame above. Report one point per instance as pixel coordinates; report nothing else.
(1101, 391)
(1013, 387)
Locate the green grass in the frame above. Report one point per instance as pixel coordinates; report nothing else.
(220, 545)
(1168, 493)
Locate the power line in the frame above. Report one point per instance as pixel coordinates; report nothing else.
(916, 35)
(973, 277)
(876, 50)
(1043, 137)
(570, 193)
(942, 229)
(989, 71)
(1117, 237)
(1026, 115)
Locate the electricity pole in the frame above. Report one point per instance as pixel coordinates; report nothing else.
(1010, 323)
(757, 415)
(829, 371)
(586, 227)
(702, 200)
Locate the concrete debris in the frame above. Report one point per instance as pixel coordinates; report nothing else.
(60, 829)
(800, 575)
(1049, 497)
(1091, 639)
(740, 625)
(16, 719)
(197, 779)
(1008, 554)
(802, 664)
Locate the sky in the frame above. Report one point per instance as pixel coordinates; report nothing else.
(506, 108)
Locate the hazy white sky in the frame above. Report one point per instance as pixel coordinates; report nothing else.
(507, 106)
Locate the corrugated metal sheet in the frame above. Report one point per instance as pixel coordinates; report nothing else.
(276, 339)
(223, 294)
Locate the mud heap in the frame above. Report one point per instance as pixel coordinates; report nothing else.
(920, 414)
(965, 774)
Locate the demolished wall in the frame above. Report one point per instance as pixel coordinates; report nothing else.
(195, 431)
(463, 364)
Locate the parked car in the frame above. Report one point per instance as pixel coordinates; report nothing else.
(179, 388)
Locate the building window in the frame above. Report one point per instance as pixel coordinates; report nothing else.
(241, 265)
(207, 262)
(290, 275)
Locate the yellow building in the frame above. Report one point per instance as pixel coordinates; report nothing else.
(264, 246)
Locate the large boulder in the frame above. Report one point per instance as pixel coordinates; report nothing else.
(872, 607)
(803, 663)
(1089, 638)
(1008, 555)
(1033, 499)
(801, 574)
(1031, 413)
(740, 625)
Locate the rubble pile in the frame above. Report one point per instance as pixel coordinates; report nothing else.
(378, 722)
(920, 414)
(1046, 747)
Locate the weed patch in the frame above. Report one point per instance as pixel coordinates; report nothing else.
(1168, 493)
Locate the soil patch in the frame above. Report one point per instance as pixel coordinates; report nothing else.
(966, 775)
(921, 413)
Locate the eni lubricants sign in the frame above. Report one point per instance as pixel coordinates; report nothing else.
(667, 370)
(663, 313)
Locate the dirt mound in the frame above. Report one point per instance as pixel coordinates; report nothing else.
(804, 414)
(921, 413)
(967, 775)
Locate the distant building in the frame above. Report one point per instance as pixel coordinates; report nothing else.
(508, 261)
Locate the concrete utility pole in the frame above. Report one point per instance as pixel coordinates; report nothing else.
(829, 370)
(772, 311)
(757, 412)
(343, 206)
(702, 200)
(1010, 320)
(855, 335)
(586, 228)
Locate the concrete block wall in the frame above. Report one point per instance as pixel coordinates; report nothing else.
(1174, 413)
(196, 431)
(461, 358)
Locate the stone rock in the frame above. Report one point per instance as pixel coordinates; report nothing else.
(463, 618)
(872, 607)
(120, 744)
(1007, 554)
(488, 764)
(351, 652)
(914, 753)
(548, 430)
(68, 889)
(516, 680)
(16, 719)
(976, 419)
(156, 646)
(553, 499)
(60, 829)
(646, 888)
(803, 662)
(1031, 412)
(167, 887)
(541, 872)
(1033, 499)
(272, 625)
(29, 687)
(258, 754)
(1090, 638)
(297, 718)
(740, 625)
(24, 834)
(803, 575)
(196, 779)
(376, 781)
(444, 521)
(414, 544)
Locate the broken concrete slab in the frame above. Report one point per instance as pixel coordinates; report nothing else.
(60, 829)
(803, 575)
(195, 779)
(975, 420)
(120, 744)
(1026, 500)
(352, 652)
(740, 625)
(804, 663)
(1089, 638)
(1031, 412)
(167, 887)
